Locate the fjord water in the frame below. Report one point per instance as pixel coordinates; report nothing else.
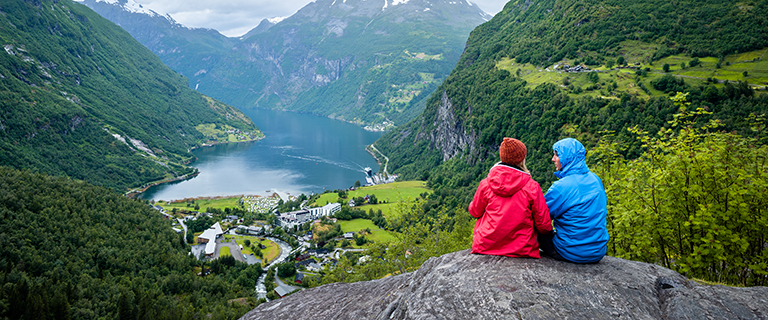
(301, 154)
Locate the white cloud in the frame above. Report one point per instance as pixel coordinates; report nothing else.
(235, 17)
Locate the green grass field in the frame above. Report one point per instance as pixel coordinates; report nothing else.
(203, 203)
(270, 253)
(638, 55)
(377, 235)
(391, 193)
(224, 252)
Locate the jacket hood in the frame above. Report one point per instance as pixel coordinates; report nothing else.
(572, 157)
(506, 181)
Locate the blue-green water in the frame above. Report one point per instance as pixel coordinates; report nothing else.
(301, 154)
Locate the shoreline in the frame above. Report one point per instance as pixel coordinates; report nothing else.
(216, 198)
(204, 145)
(133, 193)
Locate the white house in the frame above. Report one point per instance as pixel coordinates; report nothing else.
(326, 210)
(209, 236)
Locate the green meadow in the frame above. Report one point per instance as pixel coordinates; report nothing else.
(612, 82)
(189, 204)
(388, 196)
(377, 235)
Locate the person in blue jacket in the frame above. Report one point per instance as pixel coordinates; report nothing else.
(578, 207)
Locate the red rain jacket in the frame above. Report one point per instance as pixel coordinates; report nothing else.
(509, 204)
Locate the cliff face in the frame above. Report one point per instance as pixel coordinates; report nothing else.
(460, 285)
(450, 136)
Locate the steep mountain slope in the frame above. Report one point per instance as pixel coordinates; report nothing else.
(186, 50)
(510, 81)
(80, 97)
(97, 254)
(357, 60)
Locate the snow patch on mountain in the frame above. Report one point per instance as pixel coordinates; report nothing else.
(394, 3)
(130, 6)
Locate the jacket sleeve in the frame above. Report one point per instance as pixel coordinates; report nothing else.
(541, 212)
(555, 200)
(479, 202)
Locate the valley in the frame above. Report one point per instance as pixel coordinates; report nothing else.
(247, 159)
(355, 61)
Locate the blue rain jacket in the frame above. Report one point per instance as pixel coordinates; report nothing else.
(578, 206)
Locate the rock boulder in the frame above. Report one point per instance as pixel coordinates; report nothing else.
(461, 285)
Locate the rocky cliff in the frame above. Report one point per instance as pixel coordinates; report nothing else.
(461, 285)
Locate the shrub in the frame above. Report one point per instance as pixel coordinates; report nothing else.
(694, 201)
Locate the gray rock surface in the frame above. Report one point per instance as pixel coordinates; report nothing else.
(461, 285)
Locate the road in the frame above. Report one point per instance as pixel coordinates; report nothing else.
(281, 284)
(336, 255)
(183, 226)
(386, 163)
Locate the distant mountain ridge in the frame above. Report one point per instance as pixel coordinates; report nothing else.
(356, 60)
(80, 97)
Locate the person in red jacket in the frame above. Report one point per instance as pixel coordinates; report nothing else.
(510, 207)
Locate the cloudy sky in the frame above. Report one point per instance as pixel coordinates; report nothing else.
(235, 17)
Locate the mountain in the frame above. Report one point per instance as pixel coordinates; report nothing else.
(186, 50)
(356, 60)
(461, 285)
(263, 26)
(545, 70)
(80, 97)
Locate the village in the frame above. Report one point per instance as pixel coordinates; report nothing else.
(279, 230)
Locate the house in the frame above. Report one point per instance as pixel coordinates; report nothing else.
(249, 229)
(298, 278)
(209, 236)
(281, 292)
(318, 252)
(351, 203)
(294, 218)
(305, 263)
(314, 267)
(349, 235)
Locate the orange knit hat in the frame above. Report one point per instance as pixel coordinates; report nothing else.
(512, 151)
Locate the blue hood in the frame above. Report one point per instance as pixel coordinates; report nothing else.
(572, 157)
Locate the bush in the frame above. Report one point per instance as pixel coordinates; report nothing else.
(693, 202)
(694, 62)
(669, 83)
(286, 269)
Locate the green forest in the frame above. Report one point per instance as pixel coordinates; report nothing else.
(81, 98)
(77, 251)
(487, 100)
